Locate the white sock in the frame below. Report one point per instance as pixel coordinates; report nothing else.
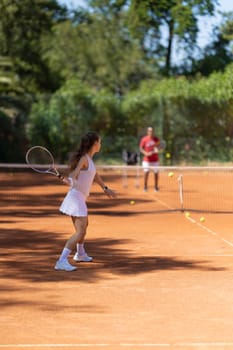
(64, 255)
(80, 249)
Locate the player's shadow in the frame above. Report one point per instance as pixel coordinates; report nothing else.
(28, 259)
(119, 260)
(31, 256)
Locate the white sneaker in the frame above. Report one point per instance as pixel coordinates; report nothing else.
(84, 257)
(64, 265)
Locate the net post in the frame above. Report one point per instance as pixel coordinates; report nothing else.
(181, 193)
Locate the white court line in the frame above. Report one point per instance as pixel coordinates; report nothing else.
(161, 202)
(191, 255)
(212, 232)
(164, 204)
(122, 345)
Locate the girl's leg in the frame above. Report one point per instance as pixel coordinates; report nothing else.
(80, 224)
(81, 254)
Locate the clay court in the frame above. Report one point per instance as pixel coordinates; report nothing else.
(160, 279)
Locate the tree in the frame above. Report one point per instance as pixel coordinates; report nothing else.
(23, 70)
(60, 121)
(8, 79)
(227, 26)
(215, 57)
(102, 58)
(150, 18)
(22, 25)
(195, 116)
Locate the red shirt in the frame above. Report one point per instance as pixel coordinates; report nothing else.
(148, 144)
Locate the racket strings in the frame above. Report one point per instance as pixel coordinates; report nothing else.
(40, 159)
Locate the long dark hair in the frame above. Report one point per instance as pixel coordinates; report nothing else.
(87, 141)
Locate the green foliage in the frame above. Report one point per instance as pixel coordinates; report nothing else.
(59, 121)
(102, 68)
(22, 26)
(191, 115)
(8, 79)
(195, 117)
(227, 27)
(107, 59)
(216, 56)
(13, 114)
(148, 19)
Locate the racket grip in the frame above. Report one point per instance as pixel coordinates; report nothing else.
(61, 177)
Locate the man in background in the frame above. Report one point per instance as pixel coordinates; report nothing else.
(149, 147)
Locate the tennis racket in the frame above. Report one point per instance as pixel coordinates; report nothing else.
(161, 146)
(41, 160)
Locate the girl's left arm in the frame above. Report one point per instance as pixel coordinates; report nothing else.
(110, 193)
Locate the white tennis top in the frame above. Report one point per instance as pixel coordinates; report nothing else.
(85, 179)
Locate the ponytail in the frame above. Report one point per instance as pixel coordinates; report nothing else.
(86, 144)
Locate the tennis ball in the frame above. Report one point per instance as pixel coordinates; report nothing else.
(202, 219)
(187, 214)
(171, 174)
(168, 155)
(132, 202)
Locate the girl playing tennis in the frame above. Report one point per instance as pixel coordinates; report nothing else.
(81, 176)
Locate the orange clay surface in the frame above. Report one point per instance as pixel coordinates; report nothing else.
(159, 279)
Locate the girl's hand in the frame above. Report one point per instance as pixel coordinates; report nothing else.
(67, 181)
(110, 193)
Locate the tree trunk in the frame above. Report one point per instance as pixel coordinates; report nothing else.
(169, 47)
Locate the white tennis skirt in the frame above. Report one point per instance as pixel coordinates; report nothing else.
(74, 204)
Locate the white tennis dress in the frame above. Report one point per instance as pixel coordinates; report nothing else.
(74, 203)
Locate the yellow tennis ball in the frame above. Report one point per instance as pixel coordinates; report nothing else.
(132, 202)
(171, 174)
(187, 214)
(202, 219)
(168, 155)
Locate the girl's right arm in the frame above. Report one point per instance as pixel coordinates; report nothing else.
(82, 164)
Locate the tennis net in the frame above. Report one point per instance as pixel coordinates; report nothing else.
(201, 189)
